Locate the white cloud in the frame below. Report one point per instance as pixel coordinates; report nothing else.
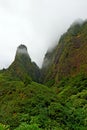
(35, 23)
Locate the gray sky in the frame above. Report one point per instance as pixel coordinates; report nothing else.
(36, 23)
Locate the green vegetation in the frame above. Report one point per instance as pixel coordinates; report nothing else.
(20, 103)
(59, 104)
(3, 127)
(25, 126)
(37, 107)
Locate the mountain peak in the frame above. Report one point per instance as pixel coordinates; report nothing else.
(23, 65)
(22, 49)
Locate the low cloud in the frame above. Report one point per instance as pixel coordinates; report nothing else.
(35, 23)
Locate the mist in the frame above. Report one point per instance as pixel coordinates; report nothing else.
(36, 23)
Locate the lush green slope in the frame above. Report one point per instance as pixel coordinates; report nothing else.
(25, 103)
(35, 106)
(70, 57)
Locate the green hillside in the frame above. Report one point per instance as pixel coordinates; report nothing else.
(33, 106)
(26, 103)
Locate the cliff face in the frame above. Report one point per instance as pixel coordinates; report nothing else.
(22, 65)
(70, 57)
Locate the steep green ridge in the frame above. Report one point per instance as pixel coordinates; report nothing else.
(23, 66)
(70, 57)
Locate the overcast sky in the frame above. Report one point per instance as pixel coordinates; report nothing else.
(36, 23)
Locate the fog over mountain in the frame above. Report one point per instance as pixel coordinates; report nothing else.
(36, 23)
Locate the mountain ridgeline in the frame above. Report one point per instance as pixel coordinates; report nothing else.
(53, 97)
(69, 57)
